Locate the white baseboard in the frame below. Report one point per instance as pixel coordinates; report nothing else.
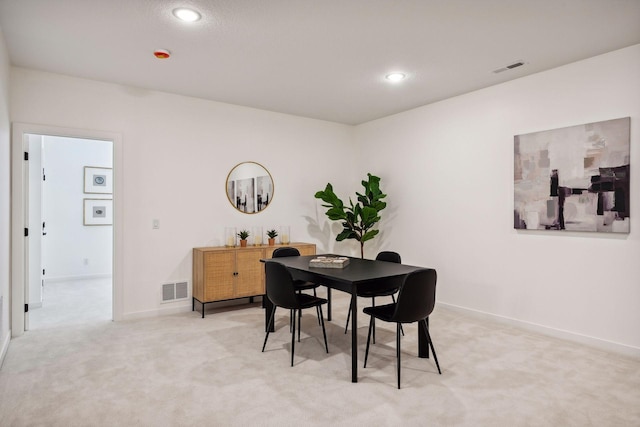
(70, 278)
(599, 343)
(162, 311)
(182, 308)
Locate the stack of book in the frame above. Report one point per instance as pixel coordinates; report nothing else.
(329, 262)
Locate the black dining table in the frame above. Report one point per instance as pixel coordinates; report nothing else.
(359, 272)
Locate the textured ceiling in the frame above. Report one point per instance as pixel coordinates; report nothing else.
(320, 59)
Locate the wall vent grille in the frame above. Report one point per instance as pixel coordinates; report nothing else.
(175, 291)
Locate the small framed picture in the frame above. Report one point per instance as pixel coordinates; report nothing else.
(98, 212)
(98, 180)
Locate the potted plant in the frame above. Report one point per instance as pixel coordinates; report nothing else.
(358, 220)
(272, 234)
(243, 234)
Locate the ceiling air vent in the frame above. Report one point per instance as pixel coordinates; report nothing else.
(509, 67)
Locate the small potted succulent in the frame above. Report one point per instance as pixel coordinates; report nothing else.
(243, 234)
(272, 237)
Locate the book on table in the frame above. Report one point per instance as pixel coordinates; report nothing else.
(329, 262)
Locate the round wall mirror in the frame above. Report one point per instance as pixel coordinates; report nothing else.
(249, 187)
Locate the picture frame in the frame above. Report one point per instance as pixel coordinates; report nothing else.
(574, 178)
(98, 180)
(97, 212)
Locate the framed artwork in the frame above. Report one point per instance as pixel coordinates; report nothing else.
(245, 190)
(98, 212)
(264, 192)
(574, 178)
(98, 180)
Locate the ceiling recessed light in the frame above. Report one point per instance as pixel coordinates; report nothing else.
(187, 15)
(395, 77)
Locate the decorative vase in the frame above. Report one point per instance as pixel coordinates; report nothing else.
(229, 236)
(243, 243)
(285, 237)
(256, 232)
(272, 241)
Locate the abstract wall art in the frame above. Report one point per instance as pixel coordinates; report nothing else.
(574, 178)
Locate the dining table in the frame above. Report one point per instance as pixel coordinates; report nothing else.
(356, 274)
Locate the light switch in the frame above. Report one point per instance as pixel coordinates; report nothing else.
(156, 224)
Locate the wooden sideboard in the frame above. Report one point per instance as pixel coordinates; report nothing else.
(226, 273)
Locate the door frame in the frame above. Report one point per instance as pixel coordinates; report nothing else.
(19, 215)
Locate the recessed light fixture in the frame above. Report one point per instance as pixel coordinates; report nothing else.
(395, 77)
(187, 15)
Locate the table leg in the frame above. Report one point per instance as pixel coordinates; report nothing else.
(268, 309)
(423, 342)
(354, 336)
(329, 304)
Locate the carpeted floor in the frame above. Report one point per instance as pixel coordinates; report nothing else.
(182, 370)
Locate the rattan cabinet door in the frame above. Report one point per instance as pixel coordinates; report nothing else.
(219, 269)
(249, 272)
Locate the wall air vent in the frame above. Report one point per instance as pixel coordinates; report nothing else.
(175, 291)
(509, 67)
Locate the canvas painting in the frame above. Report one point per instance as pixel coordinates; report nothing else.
(245, 190)
(574, 178)
(264, 192)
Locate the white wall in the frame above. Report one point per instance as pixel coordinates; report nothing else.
(72, 250)
(177, 152)
(447, 167)
(448, 171)
(5, 198)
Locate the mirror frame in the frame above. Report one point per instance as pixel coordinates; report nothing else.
(245, 175)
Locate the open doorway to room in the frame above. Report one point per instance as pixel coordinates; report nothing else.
(70, 217)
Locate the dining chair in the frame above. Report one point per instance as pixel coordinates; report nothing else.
(380, 289)
(282, 293)
(416, 300)
(300, 285)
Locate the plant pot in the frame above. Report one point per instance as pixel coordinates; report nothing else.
(272, 241)
(243, 243)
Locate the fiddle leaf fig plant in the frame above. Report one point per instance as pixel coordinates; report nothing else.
(357, 219)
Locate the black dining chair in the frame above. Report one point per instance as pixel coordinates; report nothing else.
(282, 293)
(380, 289)
(416, 300)
(300, 285)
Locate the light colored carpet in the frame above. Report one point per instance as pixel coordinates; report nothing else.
(182, 370)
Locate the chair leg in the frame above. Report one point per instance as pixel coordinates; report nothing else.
(319, 313)
(373, 303)
(426, 329)
(269, 327)
(398, 350)
(366, 352)
(348, 317)
(293, 336)
(324, 332)
(299, 322)
(394, 301)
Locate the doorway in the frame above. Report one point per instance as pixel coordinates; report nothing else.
(20, 224)
(71, 233)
